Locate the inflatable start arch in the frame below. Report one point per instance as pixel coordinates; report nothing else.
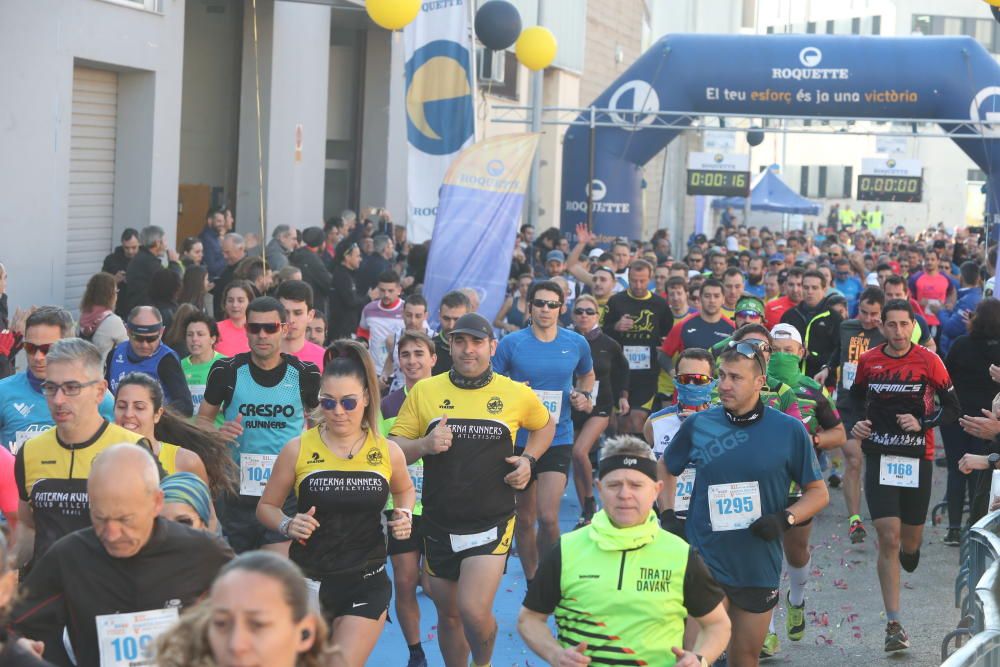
(951, 80)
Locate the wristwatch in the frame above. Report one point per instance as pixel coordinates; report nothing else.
(531, 460)
(993, 459)
(790, 518)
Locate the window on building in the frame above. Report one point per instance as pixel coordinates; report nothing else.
(976, 176)
(749, 13)
(876, 25)
(823, 181)
(829, 27)
(921, 24)
(811, 28)
(950, 25)
(497, 75)
(979, 29)
(856, 26)
(770, 30)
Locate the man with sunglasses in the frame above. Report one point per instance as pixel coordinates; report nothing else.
(463, 424)
(264, 396)
(547, 358)
(145, 352)
(24, 412)
(749, 310)
(746, 456)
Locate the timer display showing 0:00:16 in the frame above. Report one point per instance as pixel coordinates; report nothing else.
(724, 183)
(890, 188)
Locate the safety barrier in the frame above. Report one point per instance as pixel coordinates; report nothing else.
(979, 577)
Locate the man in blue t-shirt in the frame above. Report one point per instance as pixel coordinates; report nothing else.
(745, 458)
(546, 357)
(24, 412)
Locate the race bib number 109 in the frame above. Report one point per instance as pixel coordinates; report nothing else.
(127, 640)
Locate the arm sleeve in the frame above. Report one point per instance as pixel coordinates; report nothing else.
(309, 384)
(586, 361)
(220, 383)
(171, 376)
(619, 372)
(19, 477)
(702, 593)
(544, 593)
(408, 423)
(826, 413)
(678, 454)
(949, 409)
(40, 609)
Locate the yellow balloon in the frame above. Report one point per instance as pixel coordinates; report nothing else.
(536, 47)
(992, 3)
(393, 14)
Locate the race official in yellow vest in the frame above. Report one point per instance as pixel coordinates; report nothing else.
(621, 587)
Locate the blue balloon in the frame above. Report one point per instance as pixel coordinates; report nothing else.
(498, 24)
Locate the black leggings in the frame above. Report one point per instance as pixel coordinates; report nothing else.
(958, 443)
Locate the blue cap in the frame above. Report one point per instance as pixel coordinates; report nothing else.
(555, 255)
(776, 257)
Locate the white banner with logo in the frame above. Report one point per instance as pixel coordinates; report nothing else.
(439, 98)
(878, 166)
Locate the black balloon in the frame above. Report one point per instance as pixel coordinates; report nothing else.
(498, 24)
(755, 136)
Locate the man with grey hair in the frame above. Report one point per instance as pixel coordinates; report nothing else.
(380, 261)
(23, 410)
(51, 469)
(149, 260)
(138, 569)
(145, 352)
(643, 607)
(233, 251)
(283, 241)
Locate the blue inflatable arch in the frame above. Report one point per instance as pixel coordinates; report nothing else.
(946, 79)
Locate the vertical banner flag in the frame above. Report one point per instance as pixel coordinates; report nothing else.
(481, 202)
(439, 104)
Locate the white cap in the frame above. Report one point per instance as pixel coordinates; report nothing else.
(872, 279)
(786, 332)
(692, 273)
(595, 253)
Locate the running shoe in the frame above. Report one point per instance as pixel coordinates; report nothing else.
(896, 638)
(418, 660)
(909, 561)
(771, 646)
(833, 480)
(953, 538)
(795, 620)
(856, 531)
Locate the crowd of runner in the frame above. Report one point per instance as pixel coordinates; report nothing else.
(217, 460)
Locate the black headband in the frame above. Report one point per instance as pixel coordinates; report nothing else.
(145, 329)
(612, 463)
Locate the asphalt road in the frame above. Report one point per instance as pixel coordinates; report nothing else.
(846, 624)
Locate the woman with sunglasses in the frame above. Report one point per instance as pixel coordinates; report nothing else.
(342, 472)
(232, 330)
(139, 408)
(610, 392)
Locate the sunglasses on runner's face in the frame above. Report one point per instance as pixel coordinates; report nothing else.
(751, 351)
(30, 348)
(144, 339)
(542, 303)
(257, 327)
(349, 404)
(694, 378)
(748, 314)
(584, 311)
